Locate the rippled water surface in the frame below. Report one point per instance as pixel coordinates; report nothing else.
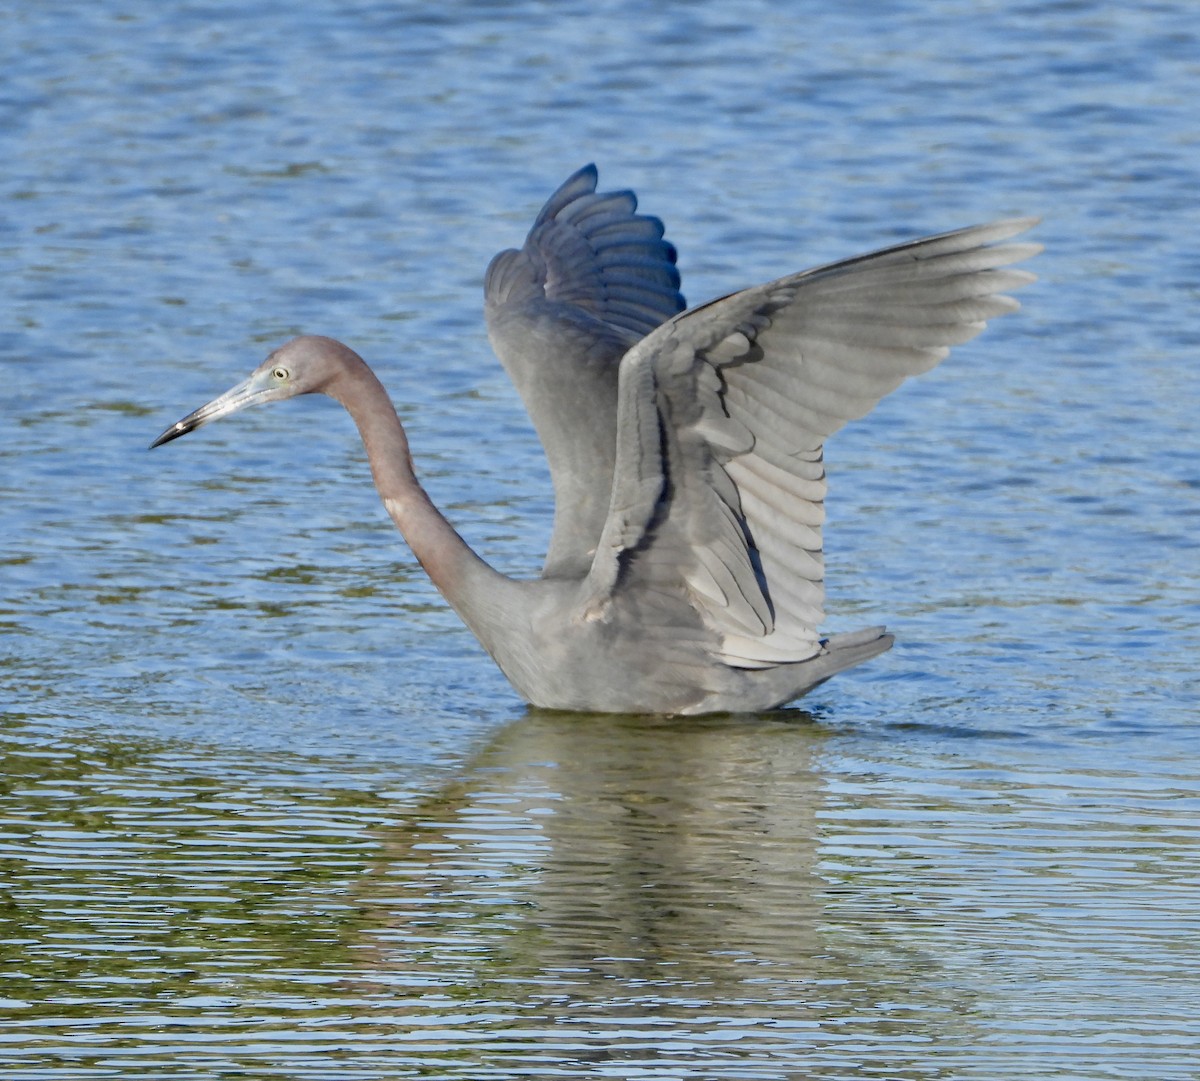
(265, 808)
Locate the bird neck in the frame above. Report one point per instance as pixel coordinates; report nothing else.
(462, 577)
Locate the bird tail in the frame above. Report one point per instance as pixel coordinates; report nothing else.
(844, 651)
(838, 652)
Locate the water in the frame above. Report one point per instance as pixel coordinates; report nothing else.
(266, 811)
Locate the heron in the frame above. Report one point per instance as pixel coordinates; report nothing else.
(684, 572)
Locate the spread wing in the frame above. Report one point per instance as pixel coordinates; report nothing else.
(593, 278)
(719, 487)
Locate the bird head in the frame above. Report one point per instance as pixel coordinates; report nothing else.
(302, 366)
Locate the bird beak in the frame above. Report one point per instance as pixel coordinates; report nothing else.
(248, 392)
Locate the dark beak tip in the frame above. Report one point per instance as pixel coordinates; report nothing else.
(173, 432)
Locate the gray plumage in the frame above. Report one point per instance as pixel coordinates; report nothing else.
(684, 572)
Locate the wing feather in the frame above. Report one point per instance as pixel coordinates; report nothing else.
(592, 278)
(719, 482)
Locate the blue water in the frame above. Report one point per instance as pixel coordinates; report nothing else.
(266, 810)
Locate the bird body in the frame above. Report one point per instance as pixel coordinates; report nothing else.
(684, 573)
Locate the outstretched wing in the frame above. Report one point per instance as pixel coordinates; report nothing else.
(719, 485)
(593, 278)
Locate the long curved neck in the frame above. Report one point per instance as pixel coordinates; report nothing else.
(471, 586)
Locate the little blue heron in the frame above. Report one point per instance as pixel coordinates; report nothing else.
(685, 570)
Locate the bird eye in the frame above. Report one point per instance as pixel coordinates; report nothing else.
(280, 373)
